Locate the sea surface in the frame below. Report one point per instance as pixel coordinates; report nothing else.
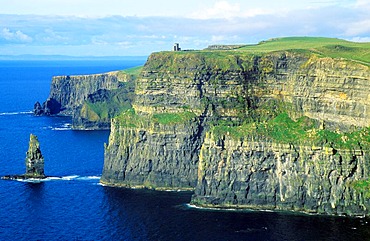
(76, 207)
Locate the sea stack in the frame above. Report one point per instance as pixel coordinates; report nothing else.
(34, 159)
(34, 162)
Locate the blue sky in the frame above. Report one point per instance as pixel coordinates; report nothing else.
(123, 27)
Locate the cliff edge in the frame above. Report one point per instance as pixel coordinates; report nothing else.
(91, 100)
(282, 125)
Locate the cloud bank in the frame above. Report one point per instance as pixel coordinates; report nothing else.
(224, 22)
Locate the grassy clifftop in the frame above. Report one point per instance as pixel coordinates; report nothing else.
(326, 47)
(243, 58)
(322, 47)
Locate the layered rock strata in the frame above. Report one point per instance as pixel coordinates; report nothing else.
(88, 98)
(153, 155)
(268, 175)
(34, 159)
(69, 92)
(230, 89)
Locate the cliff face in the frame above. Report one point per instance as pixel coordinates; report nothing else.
(71, 91)
(283, 130)
(34, 159)
(91, 100)
(267, 175)
(147, 153)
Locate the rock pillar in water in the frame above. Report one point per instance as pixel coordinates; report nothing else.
(34, 159)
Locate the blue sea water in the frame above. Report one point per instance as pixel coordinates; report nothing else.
(76, 207)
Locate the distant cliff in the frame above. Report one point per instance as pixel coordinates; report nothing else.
(91, 100)
(282, 129)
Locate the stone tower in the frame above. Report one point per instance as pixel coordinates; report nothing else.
(34, 159)
(176, 47)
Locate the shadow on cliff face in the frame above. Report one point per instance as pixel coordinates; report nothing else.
(49, 107)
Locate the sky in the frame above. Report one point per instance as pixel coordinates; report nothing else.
(138, 27)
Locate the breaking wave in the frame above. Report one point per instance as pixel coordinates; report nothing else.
(16, 113)
(64, 127)
(62, 178)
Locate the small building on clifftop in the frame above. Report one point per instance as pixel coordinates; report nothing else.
(176, 47)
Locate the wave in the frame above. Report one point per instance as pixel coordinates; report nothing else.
(16, 113)
(223, 209)
(64, 127)
(88, 178)
(63, 178)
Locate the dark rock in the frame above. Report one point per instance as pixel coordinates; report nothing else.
(34, 159)
(34, 163)
(51, 107)
(37, 109)
(72, 96)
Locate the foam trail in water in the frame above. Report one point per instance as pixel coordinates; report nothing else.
(88, 178)
(64, 178)
(68, 178)
(65, 127)
(16, 113)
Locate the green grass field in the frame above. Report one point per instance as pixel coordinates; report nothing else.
(330, 47)
(135, 71)
(322, 47)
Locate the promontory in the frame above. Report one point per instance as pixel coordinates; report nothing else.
(281, 125)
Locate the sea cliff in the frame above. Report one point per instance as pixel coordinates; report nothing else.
(91, 100)
(281, 129)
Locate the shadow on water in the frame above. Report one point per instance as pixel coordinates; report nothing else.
(151, 215)
(34, 198)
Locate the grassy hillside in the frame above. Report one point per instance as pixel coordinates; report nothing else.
(331, 47)
(323, 47)
(134, 71)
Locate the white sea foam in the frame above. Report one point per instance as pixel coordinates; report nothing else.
(53, 178)
(63, 178)
(31, 180)
(65, 127)
(68, 178)
(88, 178)
(227, 209)
(16, 113)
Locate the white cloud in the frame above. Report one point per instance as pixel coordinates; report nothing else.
(221, 9)
(50, 35)
(223, 22)
(227, 10)
(358, 28)
(224, 39)
(17, 36)
(360, 39)
(364, 4)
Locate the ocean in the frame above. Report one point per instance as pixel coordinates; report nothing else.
(76, 207)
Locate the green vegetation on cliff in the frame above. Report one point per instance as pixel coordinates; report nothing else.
(322, 47)
(362, 186)
(130, 119)
(133, 72)
(306, 131)
(102, 105)
(325, 47)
